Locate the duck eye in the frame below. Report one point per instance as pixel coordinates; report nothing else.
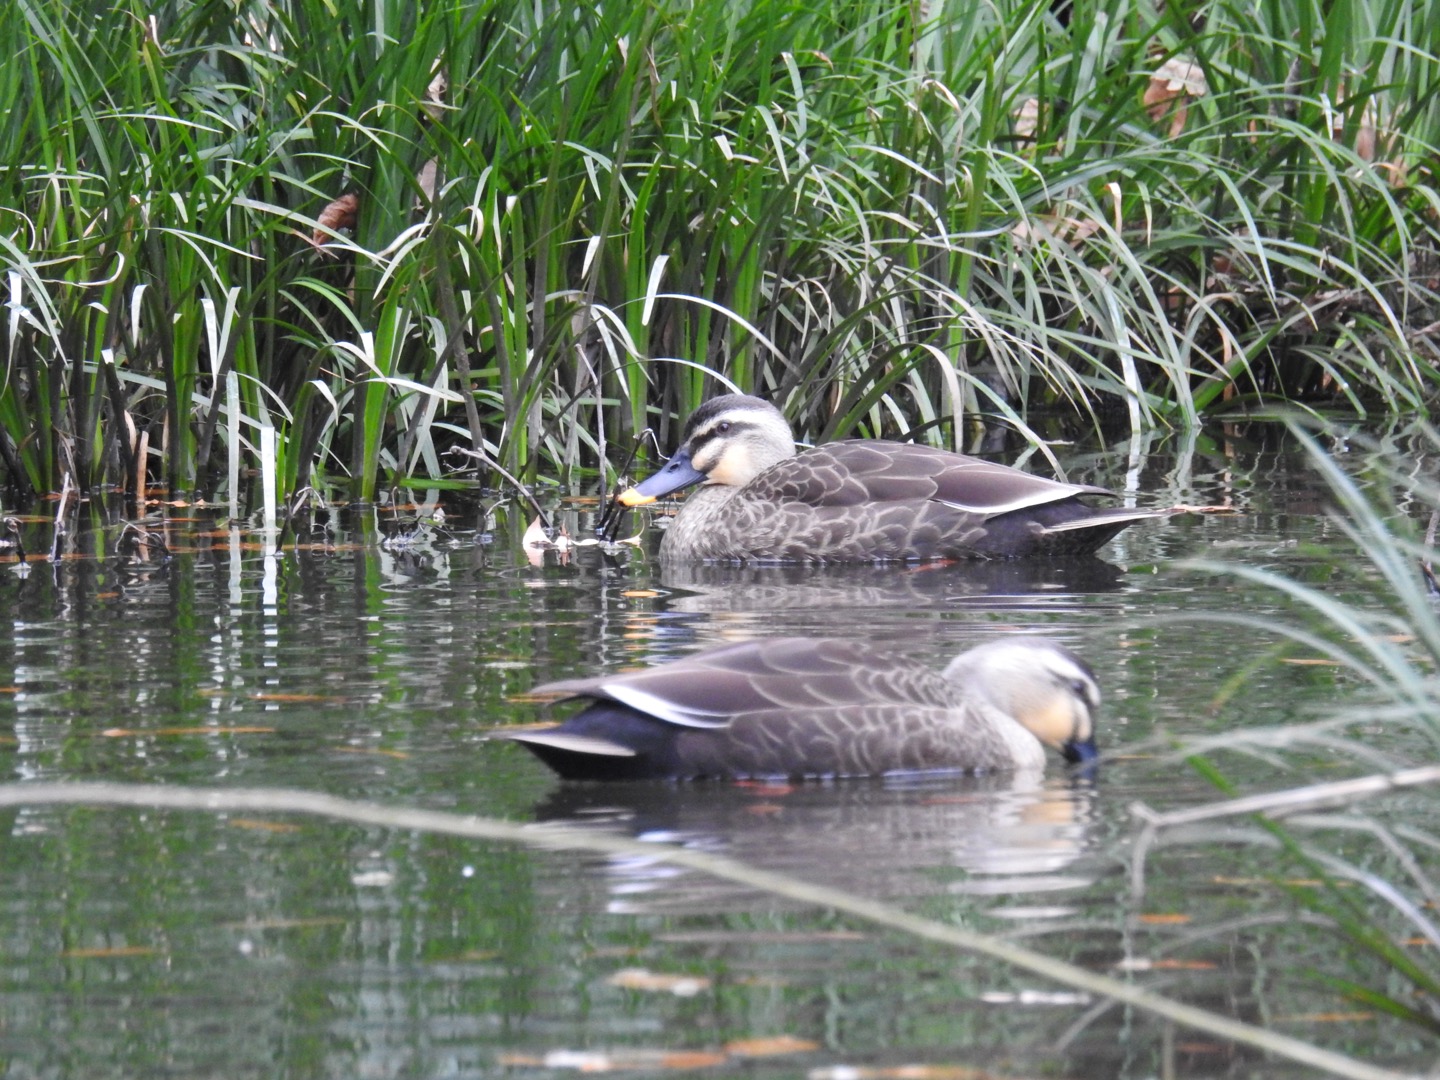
(1080, 689)
(722, 427)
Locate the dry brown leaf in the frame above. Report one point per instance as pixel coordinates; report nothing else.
(593, 1061)
(263, 826)
(373, 751)
(770, 1047)
(300, 698)
(1175, 964)
(764, 788)
(426, 180)
(434, 102)
(1324, 1018)
(109, 953)
(901, 1072)
(124, 733)
(1027, 119)
(338, 215)
(1173, 85)
(756, 937)
(284, 924)
(1053, 228)
(1165, 919)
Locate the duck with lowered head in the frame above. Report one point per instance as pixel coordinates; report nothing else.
(815, 707)
(858, 500)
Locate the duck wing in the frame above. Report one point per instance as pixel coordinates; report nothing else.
(865, 472)
(713, 688)
(778, 707)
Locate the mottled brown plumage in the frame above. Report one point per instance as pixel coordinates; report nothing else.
(815, 707)
(859, 500)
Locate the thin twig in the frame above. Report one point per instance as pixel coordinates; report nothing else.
(11, 527)
(1425, 569)
(1294, 800)
(67, 487)
(609, 524)
(490, 463)
(1275, 804)
(557, 838)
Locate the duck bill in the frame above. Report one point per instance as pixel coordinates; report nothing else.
(678, 473)
(1080, 752)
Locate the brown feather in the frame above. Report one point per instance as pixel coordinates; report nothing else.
(814, 707)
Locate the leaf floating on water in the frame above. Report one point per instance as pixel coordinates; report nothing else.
(643, 979)
(109, 953)
(593, 1061)
(1173, 918)
(1223, 508)
(771, 1047)
(764, 788)
(535, 536)
(1309, 661)
(126, 733)
(263, 826)
(374, 751)
(754, 937)
(285, 924)
(1035, 997)
(1298, 883)
(535, 539)
(300, 698)
(1140, 963)
(1324, 1018)
(901, 1072)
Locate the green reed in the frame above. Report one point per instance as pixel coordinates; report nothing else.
(1353, 856)
(574, 221)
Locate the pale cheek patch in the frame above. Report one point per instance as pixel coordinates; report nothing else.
(732, 469)
(1052, 722)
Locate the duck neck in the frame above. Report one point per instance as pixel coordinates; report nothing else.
(697, 526)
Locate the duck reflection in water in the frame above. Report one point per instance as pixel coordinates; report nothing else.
(1009, 584)
(1016, 836)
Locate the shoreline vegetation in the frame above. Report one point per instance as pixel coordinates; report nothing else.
(323, 244)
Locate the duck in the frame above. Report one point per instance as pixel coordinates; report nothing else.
(802, 707)
(858, 500)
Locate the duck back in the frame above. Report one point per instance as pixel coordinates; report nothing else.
(871, 501)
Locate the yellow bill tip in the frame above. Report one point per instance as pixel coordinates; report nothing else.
(632, 497)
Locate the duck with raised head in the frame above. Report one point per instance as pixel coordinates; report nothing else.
(859, 500)
(816, 707)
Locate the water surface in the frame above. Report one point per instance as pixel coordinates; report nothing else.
(370, 657)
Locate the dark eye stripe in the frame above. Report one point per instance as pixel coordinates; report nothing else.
(724, 427)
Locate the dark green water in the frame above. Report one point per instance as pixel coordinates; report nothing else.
(168, 944)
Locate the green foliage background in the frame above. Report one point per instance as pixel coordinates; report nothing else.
(573, 217)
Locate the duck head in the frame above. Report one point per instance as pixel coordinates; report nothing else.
(1042, 684)
(728, 441)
